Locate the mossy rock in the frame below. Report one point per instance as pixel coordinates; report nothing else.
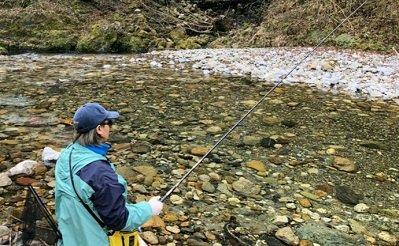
(138, 44)
(104, 37)
(139, 26)
(187, 44)
(3, 51)
(59, 41)
(195, 42)
(220, 42)
(161, 43)
(178, 35)
(202, 39)
(145, 32)
(143, 39)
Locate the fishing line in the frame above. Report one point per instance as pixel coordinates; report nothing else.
(259, 102)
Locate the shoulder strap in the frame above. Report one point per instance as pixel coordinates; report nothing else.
(84, 204)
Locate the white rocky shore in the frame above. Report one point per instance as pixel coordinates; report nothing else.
(356, 73)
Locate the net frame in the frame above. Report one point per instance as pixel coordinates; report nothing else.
(35, 211)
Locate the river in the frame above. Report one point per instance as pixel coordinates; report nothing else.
(283, 167)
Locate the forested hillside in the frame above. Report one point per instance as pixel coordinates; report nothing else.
(93, 26)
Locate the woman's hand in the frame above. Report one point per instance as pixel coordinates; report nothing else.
(156, 205)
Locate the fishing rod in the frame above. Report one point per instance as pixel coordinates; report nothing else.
(258, 102)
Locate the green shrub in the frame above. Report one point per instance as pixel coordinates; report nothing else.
(346, 41)
(3, 51)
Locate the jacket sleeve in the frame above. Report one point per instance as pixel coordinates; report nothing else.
(139, 213)
(108, 198)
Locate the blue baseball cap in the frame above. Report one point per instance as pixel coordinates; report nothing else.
(90, 115)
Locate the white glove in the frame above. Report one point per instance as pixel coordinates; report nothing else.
(156, 205)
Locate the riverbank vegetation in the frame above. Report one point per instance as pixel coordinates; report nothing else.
(101, 26)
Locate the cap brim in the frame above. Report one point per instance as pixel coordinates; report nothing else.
(112, 115)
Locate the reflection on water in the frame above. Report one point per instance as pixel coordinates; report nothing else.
(171, 110)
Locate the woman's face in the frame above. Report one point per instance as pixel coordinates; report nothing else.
(104, 129)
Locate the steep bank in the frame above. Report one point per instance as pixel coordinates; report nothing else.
(302, 23)
(93, 26)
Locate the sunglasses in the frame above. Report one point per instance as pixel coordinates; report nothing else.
(107, 122)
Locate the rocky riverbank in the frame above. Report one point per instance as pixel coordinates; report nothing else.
(353, 72)
(308, 167)
(99, 26)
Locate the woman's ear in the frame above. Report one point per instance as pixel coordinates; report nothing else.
(99, 130)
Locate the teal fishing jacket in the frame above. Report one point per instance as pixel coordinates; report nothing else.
(78, 227)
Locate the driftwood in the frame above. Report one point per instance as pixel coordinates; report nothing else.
(176, 15)
(230, 237)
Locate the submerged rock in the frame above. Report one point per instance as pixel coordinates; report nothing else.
(318, 233)
(344, 164)
(287, 235)
(246, 187)
(346, 195)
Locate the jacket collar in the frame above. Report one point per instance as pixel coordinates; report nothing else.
(101, 149)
